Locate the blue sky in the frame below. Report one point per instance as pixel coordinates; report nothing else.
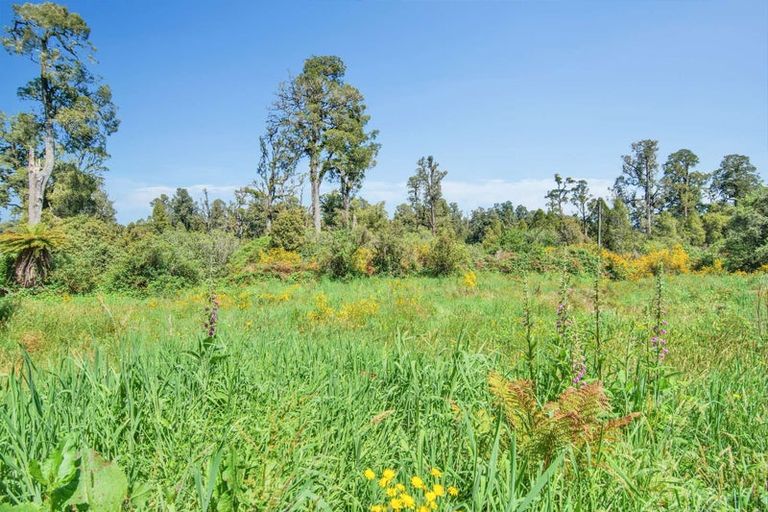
(504, 94)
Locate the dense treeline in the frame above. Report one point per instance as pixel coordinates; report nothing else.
(62, 229)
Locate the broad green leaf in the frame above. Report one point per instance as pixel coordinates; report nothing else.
(103, 485)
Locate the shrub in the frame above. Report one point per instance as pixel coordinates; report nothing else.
(90, 247)
(289, 229)
(673, 261)
(616, 266)
(747, 242)
(150, 264)
(446, 255)
(343, 255)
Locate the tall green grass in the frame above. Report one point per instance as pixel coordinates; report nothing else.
(284, 413)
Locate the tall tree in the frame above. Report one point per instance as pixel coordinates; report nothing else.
(352, 150)
(682, 186)
(276, 174)
(734, 179)
(580, 198)
(425, 190)
(161, 212)
(73, 113)
(184, 210)
(638, 185)
(558, 196)
(312, 108)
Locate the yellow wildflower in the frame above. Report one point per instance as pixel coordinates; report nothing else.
(408, 501)
(438, 489)
(430, 496)
(435, 472)
(369, 474)
(391, 492)
(453, 491)
(389, 474)
(383, 482)
(396, 504)
(417, 482)
(423, 508)
(400, 487)
(377, 508)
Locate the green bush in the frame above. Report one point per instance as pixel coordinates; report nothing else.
(342, 254)
(446, 255)
(151, 264)
(249, 253)
(91, 246)
(289, 229)
(747, 241)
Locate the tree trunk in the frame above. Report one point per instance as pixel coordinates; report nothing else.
(314, 178)
(432, 219)
(38, 176)
(345, 200)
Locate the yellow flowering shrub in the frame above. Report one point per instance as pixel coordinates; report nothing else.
(615, 265)
(717, 267)
(469, 280)
(357, 314)
(322, 311)
(350, 314)
(362, 260)
(673, 261)
(422, 494)
(283, 296)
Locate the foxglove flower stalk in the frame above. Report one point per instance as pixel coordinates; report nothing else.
(579, 371)
(212, 312)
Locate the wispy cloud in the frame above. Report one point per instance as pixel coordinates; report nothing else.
(132, 199)
(481, 193)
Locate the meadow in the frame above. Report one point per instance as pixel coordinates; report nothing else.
(307, 392)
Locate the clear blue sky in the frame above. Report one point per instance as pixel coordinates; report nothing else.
(504, 94)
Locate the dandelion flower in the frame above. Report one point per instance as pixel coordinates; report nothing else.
(377, 508)
(423, 508)
(400, 487)
(369, 474)
(391, 492)
(453, 491)
(438, 489)
(417, 482)
(430, 496)
(396, 504)
(408, 501)
(435, 472)
(389, 474)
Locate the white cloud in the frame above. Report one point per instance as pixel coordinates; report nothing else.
(132, 199)
(480, 193)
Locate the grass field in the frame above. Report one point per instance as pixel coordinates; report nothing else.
(307, 385)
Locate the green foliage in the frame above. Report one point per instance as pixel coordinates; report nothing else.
(91, 246)
(747, 241)
(150, 264)
(73, 479)
(446, 255)
(339, 254)
(32, 248)
(406, 389)
(289, 229)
